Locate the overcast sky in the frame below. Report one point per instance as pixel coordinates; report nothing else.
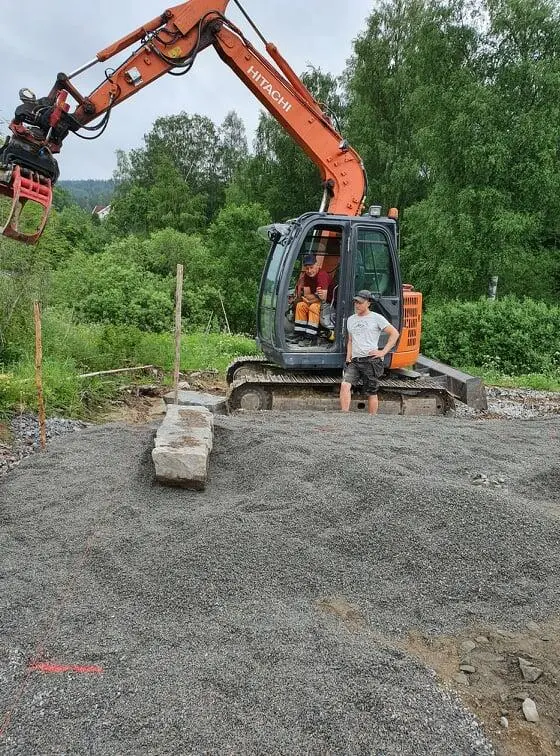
(61, 36)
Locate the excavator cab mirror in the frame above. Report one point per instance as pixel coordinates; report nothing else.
(274, 232)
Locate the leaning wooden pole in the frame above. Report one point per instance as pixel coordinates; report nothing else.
(178, 329)
(39, 375)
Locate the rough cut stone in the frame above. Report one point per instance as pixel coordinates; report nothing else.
(528, 670)
(530, 710)
(215, 404)
(182, 446)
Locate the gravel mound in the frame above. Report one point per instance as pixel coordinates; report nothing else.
(24, 432)
(262, 615)
(514, 404)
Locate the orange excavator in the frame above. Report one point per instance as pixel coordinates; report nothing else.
(359, 251)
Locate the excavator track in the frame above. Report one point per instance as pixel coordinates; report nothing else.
(256, 384)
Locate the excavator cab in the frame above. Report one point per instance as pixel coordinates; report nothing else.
(357, 253)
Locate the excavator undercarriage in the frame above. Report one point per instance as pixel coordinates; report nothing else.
(255, 384)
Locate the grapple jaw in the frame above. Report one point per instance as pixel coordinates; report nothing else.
(27, 175)
(24, 185)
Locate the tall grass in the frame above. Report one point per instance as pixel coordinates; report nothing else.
(71, 349)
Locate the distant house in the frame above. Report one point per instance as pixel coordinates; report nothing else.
(101, 211)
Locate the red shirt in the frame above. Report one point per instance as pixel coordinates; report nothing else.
(321, 281)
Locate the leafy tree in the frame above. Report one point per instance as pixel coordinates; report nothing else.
(62, 198)
(238, 255)
(279, 175)
(491, 148)
(410, 52)
(232, 147)
(101, 289)
(167, 201)
(191, 147)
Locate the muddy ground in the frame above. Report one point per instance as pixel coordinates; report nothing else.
(316, 598)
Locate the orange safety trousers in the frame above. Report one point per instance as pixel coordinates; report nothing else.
(307, 319)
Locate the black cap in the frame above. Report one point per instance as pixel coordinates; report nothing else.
(363, 295)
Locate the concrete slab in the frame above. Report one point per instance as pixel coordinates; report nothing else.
(182, 446)
(215, 404)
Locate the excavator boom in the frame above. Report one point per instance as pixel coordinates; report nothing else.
(170, 44)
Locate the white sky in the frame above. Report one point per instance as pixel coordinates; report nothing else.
(61, 36)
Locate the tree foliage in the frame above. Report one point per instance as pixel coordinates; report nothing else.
(188, 149)
(101, 289)
(454, 106)
(279, 175)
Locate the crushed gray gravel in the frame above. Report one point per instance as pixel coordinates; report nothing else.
(261, 616)
(24, 431)
(514, 404)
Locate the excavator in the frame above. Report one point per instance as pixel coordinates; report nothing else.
(359, 250)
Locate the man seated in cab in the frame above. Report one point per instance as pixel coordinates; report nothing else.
(315, 287)
(364, 358)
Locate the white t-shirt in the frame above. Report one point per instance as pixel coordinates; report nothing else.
(365, 331)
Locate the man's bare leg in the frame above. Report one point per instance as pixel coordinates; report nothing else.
(373, 404)
(345, 396)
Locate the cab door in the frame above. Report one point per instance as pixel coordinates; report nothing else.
(376, 268)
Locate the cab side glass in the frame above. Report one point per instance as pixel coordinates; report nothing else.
(374, 267)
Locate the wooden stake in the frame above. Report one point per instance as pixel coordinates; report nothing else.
(225, 314)
(178, 328)
(39, 375)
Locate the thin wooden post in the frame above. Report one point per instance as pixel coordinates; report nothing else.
(224, 311)
(178, 329)
(39, 375)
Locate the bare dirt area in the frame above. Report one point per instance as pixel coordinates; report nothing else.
(320, 597)
(493, 687)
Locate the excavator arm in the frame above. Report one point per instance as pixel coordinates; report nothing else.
(170, 44)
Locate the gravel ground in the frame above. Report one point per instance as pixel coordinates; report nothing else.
(264, 615)
(23, 435)
(515, 404)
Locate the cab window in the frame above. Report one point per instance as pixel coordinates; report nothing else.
(374, 268)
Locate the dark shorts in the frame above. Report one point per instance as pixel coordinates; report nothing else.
(367, 371)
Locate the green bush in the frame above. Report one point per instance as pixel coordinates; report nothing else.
(102, 289)
(510, 336)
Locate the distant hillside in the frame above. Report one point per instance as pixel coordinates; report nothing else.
(89, 192)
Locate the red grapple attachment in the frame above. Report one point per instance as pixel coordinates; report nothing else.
(23, 186)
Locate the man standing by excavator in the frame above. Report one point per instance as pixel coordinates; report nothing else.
(364, 359)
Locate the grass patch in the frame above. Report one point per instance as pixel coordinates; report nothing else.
(537, 381)
(71, 349)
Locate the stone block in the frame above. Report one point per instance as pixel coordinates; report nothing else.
(182, 446)
(215, 404)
